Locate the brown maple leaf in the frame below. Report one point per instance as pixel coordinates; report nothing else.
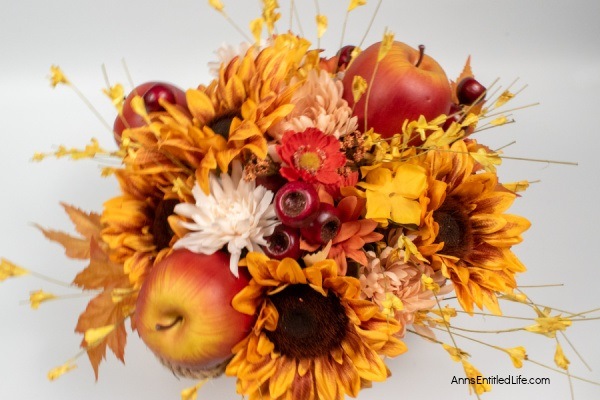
(101, 273)
(466, 73)
(75, 247)
(88, 225)
(102, 311)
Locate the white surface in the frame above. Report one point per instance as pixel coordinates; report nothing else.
(553, 46)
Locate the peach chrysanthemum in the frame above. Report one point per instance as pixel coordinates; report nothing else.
(318, 103)
(387, 274)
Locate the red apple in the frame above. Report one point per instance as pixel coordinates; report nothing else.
(151, 92)
(184, 312)
(407, 84)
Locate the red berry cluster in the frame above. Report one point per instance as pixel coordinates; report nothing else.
(302, 215)
(469, 92)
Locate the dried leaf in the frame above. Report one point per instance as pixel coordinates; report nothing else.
(75, 247)
(100, 313)
(466, 73)
(87, 224)
(101, 273)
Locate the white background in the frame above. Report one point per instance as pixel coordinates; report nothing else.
(553, 46)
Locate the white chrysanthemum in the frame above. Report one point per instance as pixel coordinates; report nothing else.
(236, 213)
(318, 103)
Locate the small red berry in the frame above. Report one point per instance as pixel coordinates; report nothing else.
(470, 91)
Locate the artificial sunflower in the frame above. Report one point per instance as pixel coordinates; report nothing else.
(465, 231)
(235, 112)
(297, 308)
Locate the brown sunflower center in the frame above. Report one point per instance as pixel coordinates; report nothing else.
(310, 324)
(161, 231)
(222, 124)
(454, 228)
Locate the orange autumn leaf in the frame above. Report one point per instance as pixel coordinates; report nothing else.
(75, 247)
(87, 224)
(102, 311)
(466, 73)
(101, 272)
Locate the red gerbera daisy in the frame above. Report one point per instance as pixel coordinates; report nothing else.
(311, 156)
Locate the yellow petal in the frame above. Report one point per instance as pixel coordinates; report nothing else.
(356, 3)
(410, 181)
(359, 87)
(474, 374)
(138, 106)
(288, 271)
(256, 27)
(321, 25)
(386, 45)
(517, 355)
(38, 297)
(200, 105)
(191, 393)
(501, 120)
(57, 372)
(405, 211)
(503, 99)
(216, 4)
(516, 187)
(10, 270)
(116, 94)
(57, 77)
(560, 359)
(455, 353)
(95, 336)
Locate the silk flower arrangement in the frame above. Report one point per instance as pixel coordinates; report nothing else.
(290, 221)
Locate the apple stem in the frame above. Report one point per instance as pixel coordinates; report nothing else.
(421, 54)
(177, 320)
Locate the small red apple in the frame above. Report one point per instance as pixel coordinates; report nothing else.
(151, 92)
(407, 84)
(184, 313)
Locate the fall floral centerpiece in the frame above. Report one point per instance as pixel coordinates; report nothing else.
(290, 221)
